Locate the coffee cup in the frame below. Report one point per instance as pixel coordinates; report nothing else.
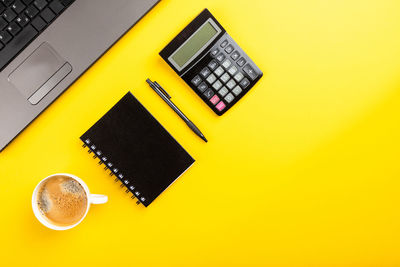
(61, 201)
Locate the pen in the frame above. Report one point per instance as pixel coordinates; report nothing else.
(167, 98)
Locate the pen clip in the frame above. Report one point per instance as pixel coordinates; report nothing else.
(161, 89)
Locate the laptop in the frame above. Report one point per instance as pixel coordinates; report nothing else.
(45, 45)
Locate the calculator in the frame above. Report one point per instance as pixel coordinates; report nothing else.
(206, 57)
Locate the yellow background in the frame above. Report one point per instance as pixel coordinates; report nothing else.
(303, 171)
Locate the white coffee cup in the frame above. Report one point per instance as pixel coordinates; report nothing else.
(91, 199)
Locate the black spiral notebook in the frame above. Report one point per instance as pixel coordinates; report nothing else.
(137, 149)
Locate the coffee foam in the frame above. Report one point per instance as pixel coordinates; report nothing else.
(62, 200)
(44, 202)
(73, 187)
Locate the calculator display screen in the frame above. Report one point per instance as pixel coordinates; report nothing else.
(193, 46)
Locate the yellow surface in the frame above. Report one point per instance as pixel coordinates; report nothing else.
(304, 171)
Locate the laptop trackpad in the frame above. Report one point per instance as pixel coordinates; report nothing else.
(39, 73)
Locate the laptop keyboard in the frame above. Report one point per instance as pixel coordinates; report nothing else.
(21, 21)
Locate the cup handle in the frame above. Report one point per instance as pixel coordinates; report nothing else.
(98, 199)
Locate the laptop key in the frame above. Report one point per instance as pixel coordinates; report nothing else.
(13, 28)
(39, 23)
(40, 4)
(22, 20)
(56, 6)
(47, 15)
(15, 45)
(31, 11)
(5, 37)
(9, 15)
(18, 6)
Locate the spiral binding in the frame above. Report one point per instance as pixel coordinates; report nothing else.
(97, 153)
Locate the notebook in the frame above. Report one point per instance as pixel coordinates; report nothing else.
(137, 149)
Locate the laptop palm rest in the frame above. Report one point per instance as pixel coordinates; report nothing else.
(39, 73)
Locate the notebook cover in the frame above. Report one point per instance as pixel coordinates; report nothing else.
(137, 149)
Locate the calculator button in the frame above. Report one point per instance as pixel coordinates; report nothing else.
(214, 99)
(213, 64)
(241, 62)
(229, 98)
(244, 83)
(219, 71)
(209, 93)
(214, 52)
(205, 72)
(202, 87)
(211, 79)
(231, 84)
(223, 91)
(250, 71)
(237, 90)
(196, 80)
(229, 49)
(220, 57)
(232, 71)
(220, 106)
(217, 85)
(238, 77)
(227, 63)
(224, 43)
(235, 55)
(224, 78)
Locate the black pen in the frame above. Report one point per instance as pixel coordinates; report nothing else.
(167, 98)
